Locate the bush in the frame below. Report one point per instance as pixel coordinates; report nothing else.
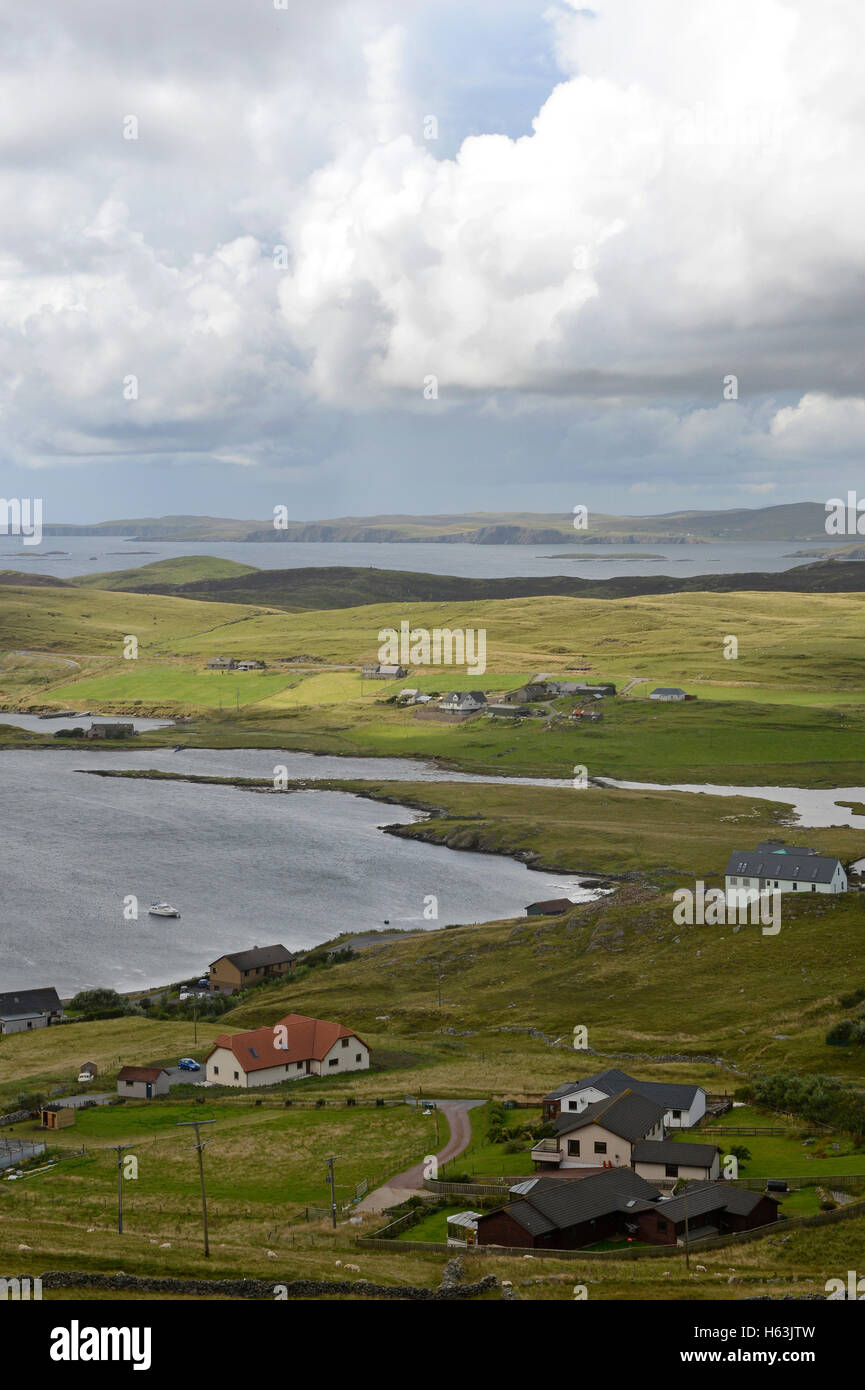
(841, 1032)
(850, 1000)
(515, 1146)
(828, 1204)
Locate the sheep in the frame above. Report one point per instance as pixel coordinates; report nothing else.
(338, 1264)
(271, 1254)
(701, 1269)
(354, 1268)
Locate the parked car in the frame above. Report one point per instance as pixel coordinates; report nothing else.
(189, 1064)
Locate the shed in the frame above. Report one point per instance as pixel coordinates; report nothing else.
(143, 1083)
(56, 1117)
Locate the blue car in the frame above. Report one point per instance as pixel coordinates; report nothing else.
(189, 1064)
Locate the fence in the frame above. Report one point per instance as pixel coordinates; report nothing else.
(15, 1151)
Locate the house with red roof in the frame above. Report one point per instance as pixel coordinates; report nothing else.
(291, 1049)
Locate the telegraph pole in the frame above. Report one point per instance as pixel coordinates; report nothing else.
(119, 1149)
(330, 1178)
(199, 1145)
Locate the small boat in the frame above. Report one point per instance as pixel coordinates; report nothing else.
(163, 910)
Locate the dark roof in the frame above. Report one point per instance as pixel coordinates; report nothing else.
(558, 1205)
(629, 1115)
(552, 906)
(613, 1082)
(139, 1073)
(24, 1001)
(668, 1151)
(705, 1197)
(667, 690)
(259, 955)
(781, 861)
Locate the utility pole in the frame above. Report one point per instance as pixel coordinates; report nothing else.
(330, 1178)
(195, 1023)
(119, 1149)
(199, 1145)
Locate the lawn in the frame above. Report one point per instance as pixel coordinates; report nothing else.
(162, 685)
(264, 1165)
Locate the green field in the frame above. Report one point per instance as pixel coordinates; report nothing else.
(162, 685)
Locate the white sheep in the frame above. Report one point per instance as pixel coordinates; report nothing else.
(271, 1254)
(339, 1264)
(701, 1269)
(354, 1268)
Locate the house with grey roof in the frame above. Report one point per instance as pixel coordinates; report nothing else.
(23, 1010)
(463, 701)
(775, 865)
(665, 1160)
(570, 1214)
(602, 1134)
(683, 1105)
(667, 692)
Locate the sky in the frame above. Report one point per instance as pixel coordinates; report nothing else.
(390, 256)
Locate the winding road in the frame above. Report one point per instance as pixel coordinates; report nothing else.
(403, 1185)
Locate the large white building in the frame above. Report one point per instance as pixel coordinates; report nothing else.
(291, 1049)
(683, 1105)
(774, 865)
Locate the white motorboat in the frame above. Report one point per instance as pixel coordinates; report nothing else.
(163, 910)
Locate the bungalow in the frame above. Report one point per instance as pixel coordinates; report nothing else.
(665, 692)
(704, 1209)
(222, 663)
(244, 968)
(123, 730)
(293, 1048)
(553, 907)
(683, 1105)
(250, 665)
(789, 868)
(143, 1083)
(602, 1135)
(545, 1213)
(463, 701)
(658, 1160)
(24, 1009)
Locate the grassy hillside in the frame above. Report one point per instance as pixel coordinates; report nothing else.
(183, 570)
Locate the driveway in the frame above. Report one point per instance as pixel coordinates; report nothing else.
(403, 1185)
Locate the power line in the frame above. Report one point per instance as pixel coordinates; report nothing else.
(119, 1149)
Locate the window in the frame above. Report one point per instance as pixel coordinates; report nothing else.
(345, 1042)
(129, 1083)
(600, 1146)
(671, 1170)
(299, 1065)
(734, 881)
(573, 1105)
(216, 1071)
(677, 1114)
(334, 1062)
(358, 1057)
(237, 1076)
(573, 1148)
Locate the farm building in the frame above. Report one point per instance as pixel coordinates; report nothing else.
(553, 907)
(142, 1083)
(24, 1009)
(119, 730)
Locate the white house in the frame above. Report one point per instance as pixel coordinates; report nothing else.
(787, 868)
(602, 1134)
(665, 692)
(25, 1009)
(463, 701)
(683, 1105)
(658, 1160)
(293, 1048)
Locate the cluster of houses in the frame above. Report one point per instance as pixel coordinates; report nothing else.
(513, 704)
(609, 1171)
